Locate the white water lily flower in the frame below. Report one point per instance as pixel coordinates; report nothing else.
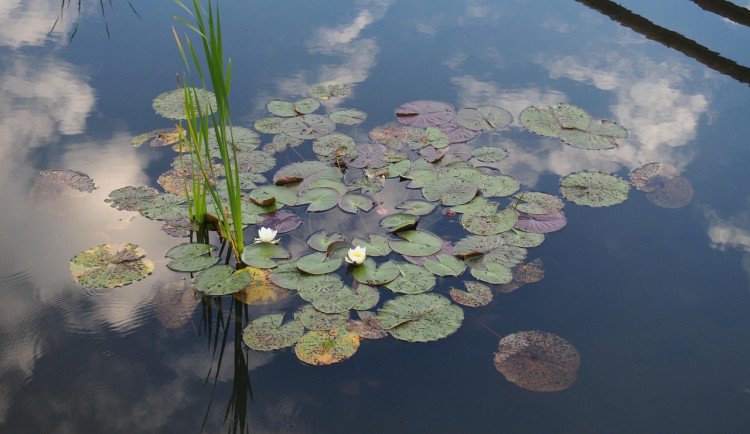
(356, 255)
(267, 235)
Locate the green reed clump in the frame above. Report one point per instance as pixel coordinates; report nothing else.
(196, 137)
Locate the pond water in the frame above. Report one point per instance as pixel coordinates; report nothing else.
(655, 299)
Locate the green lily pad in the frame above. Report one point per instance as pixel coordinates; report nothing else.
(193, 263)
(594, 189)
(412, 280)
(270, 125)
(321, 239)
(420, 317)
(370, 274)
(314, 319)
(476, 295)
(318, 199)
(495, 273)
(187, 250)
(281, 141)
(538, 203)
(395, 170)
(262, 255)
(317, 263)
(335, 146)
(131, 198)
(477, 244)
(484, 118)
(166, 206)
(281, 108)
(243, 139)
(600, 134)
(287, 275)
(266, 333)
(550, 121)
(307, 172)
(399, 221)
(416, 243)
(490, 154)
(209, 277)
(450, 191)
(171, 105)
(445, 265)
(306, 106)
(324, 348)
(367, 297)
(233, 284)
(522, 239)
(498, 185)
(263, 195)
(375, 244)
(348, 116)
(478, 205)
(328, 89)
(308, 126)
(353, 202)
(416, 207)
(100, 268)
(491, 224)
(338, 300)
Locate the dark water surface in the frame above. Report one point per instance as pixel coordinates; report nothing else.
(656, 300)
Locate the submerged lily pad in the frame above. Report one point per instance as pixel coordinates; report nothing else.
(99, 267)
(484, 118)
(348, 116)
(476, 295)
(328, 89)
(326, 347)
(537, 361)
(594, 189)
(171, 104)
(70, 178)
(266, 333)
(368, 327)
(675, 193)
(420, 317)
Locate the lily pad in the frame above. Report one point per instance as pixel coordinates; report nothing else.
(282, 221)
(321, 239)
(281, 108)
(412, 280)
(416, 207)
(270, 125)
(675, 193)
(370, 274)
(348, 116)
(445, 265)
(326, 347)
(306, 172)
(420, 317)
(600, 134)
(335, 146)
(549, 121)
(308, 126)
(207, 278)
(476, 295)
(318, 263)
(328, 89)
(477, 244)
(262, 255)
(190, 257)
(425, 113)
(522, 239)
(367, 297)
(266, 333)
(541, 223)
(306, 106)
(497, 185)
(490, 154)
(318, 199)
(165, 206)
(484, 118)
(76, 180)
(314, 319)
(495, 273)
(353, 202)
(537, 361)
(368, 326)
(131, 198)
(594, 189)
(532, 202)
(450, 191)
(99, 267)
(416, 243)
(287, 275)
(375, 244)
(234, 283)
(171, 105)
(491, 224)
(399, 221)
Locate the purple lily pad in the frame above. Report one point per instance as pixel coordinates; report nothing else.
(458, 133)
(282, 220)
(425, 113)
(541, 223)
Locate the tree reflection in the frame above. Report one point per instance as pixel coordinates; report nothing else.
(65, 7)
(217, 327)
(673, 39)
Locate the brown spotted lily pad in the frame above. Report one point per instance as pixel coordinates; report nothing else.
(99, 267)
(537, 361)
(319, 347)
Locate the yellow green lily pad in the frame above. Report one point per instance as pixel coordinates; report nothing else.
(99, 267)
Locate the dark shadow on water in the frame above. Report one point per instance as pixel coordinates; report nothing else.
(673, 39)
(65, 6)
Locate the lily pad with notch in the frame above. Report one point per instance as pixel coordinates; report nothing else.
(348, 116)
(370, 273)
(269, 332)
(399, 222)
(416, 243)
(595, 189)
(420, 317)
(306, 127)
(375, 244)
(319, 347)
(99, 267)
(413, 279)
(353, 202)
(484, 118)
(263, 255)
(476, 295)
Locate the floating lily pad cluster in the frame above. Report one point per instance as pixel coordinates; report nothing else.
(393, 291)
